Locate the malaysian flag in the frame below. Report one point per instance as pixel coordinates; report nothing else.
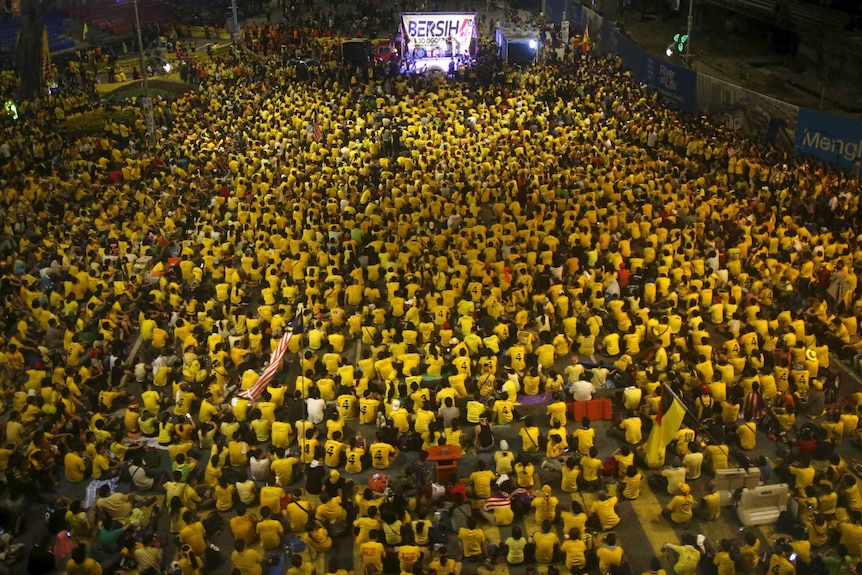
(316, 131)
(270, 370)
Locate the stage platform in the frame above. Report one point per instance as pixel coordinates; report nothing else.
(425, 65)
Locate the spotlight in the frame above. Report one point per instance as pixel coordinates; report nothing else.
(533, 44)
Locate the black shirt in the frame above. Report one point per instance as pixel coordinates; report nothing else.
(314, 479)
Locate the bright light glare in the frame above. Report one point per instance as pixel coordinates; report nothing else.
(533, 44)
(669, 51)
(167, 67)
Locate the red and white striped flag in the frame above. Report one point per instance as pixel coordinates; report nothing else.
(316, 131)
(270, 370)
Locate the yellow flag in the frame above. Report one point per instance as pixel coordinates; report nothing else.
(671, 412)
(86, 29)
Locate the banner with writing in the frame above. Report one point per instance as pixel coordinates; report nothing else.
(833, 139)
(429, 30)
(676, 85)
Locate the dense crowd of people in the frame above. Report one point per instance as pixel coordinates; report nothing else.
(450, 258)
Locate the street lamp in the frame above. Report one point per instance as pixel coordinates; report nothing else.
(687, 43)
(141, 50)
(234, 18)
(146, 102)
(682, 42)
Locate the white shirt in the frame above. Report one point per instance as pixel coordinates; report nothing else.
(315, 407)
(158, 363)
(259, 468)
(675, 476)
(692, 462)
(582, 390)
(140, 478)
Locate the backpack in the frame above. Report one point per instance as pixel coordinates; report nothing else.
(152, 458)
(294, 545)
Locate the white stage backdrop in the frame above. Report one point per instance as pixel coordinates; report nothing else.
(430, 30)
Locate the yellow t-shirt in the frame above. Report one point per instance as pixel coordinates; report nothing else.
(353, 460)
(75, 467)
(575, 552)
(381, 454)
(472, 541)
(632, 485)
(680, 508)
(269, 531)
(609, 557)
(248, 561)
(372, 553)
(606, 512)
(481, 481)
(545, 546)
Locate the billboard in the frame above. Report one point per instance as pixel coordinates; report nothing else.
(429, 30)
(676, 85)
(833, 139)
(751, 113)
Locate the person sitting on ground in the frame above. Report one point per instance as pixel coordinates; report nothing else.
(603, 513)
(688, 556)
(547, 543)
(609, 554)
(679, 510)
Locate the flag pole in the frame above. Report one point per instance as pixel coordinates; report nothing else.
(703, 428)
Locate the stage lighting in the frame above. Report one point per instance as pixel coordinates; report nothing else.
(533, 44)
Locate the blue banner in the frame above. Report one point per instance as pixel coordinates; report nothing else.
(833, 139)
(633, 56)
(676, 85)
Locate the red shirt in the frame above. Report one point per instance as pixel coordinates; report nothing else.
(457, 488)
(623, 277)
